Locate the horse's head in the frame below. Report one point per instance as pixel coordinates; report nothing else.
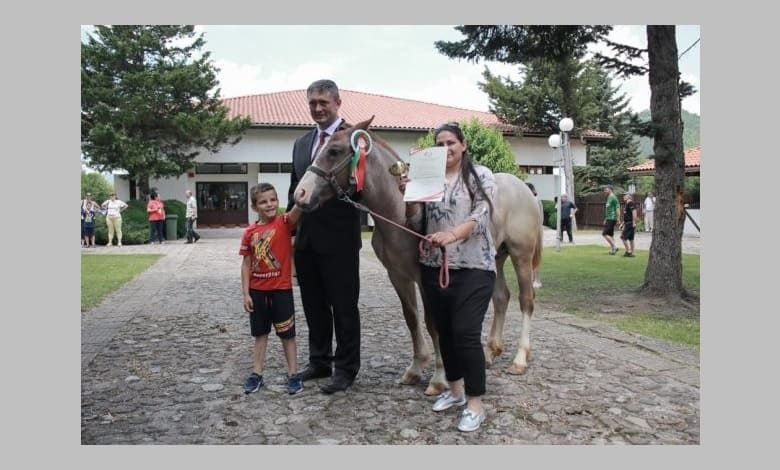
(328, 174)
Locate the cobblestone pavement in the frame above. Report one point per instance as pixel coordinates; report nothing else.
(164, 358)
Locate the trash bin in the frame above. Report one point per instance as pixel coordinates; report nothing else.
(171, 221)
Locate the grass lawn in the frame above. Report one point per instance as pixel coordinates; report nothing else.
(584, 280)
(103, 274)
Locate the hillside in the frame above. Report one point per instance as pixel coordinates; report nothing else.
(690, 133)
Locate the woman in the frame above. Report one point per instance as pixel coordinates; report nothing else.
(88, 210)
(156, 211)
(461, 223)
(114, 208)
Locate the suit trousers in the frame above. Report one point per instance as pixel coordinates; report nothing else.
(330, 287)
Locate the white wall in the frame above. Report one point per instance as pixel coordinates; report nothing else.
(536, 151)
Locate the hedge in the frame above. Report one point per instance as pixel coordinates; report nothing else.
(135, 223)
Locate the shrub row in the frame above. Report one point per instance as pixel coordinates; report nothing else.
(135, 223)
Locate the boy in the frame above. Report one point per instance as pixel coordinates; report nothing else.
(266, 283)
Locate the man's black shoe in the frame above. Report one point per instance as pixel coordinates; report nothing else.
(311, 372)
(336, 384)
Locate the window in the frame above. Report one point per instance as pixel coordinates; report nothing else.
(221, 168)
(538, 170)
(276, 167)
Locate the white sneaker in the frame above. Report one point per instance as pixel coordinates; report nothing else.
(447, 400)
(471, 421)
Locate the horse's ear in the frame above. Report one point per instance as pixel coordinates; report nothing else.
(364, 125)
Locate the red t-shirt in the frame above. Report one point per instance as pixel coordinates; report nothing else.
(269, 246)
(156, 215)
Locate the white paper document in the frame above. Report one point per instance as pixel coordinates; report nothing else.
(426, 175)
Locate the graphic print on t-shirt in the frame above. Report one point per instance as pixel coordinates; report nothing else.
(261, 247)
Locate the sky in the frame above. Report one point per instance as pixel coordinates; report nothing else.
(399, 61)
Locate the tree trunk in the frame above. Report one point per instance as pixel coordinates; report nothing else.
(664, 268)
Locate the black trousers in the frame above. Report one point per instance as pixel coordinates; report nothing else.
(156, 231)
(458, 312)
(566, 226)
(330, 287)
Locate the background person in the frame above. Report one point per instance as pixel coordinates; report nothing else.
(114, 208)
(649, 204)
(89, 209)
(611, 208)
(568, 209)
(155, 209)
(192, 217)
(627, 225)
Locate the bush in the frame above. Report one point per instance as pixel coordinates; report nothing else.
(135, 225)
(550, 213)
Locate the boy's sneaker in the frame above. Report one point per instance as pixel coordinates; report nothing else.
(628, 255)
(253, 383)
(294, 384)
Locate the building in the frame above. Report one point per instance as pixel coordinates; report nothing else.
(692, 168)
(221, 180)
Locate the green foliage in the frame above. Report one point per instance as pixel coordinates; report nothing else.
(102, 275)
(150, 100)
(550, 213)
(692, 184)
(97, 185)
(486, 146)
(691, 132)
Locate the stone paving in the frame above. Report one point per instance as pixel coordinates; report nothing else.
(164, 358)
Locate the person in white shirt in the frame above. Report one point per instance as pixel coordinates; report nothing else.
(114, 208)
(649, 209)
(192, 217)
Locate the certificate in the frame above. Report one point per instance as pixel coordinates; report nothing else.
(426, 175)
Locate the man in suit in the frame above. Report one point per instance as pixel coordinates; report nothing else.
(327, 247)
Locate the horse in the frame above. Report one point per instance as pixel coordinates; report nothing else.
(515, 226)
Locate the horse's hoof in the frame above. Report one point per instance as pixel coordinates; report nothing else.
(491, 353)
(435, 388)
(516, 369)
(410, 379)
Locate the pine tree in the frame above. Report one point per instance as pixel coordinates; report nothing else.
(557, 49)
(523, 44)
(150, 102)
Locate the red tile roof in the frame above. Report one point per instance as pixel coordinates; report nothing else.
(290, 109)
(692, 160)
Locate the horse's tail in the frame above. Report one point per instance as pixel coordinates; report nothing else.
(537, 259)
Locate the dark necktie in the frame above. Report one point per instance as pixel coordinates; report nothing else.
(323, 136)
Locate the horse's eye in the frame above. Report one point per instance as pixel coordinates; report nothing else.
(335, 151)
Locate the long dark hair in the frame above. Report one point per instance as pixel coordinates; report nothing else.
(467, 170)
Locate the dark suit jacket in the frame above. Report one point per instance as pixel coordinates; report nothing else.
(333, 227)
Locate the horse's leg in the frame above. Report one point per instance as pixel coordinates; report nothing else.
(438, 381)
(420, 354)
(524, 271)
(495, 340)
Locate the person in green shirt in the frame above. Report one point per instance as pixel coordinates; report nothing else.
(610, 219)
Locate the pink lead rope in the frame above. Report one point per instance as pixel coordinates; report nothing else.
(444, 272)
